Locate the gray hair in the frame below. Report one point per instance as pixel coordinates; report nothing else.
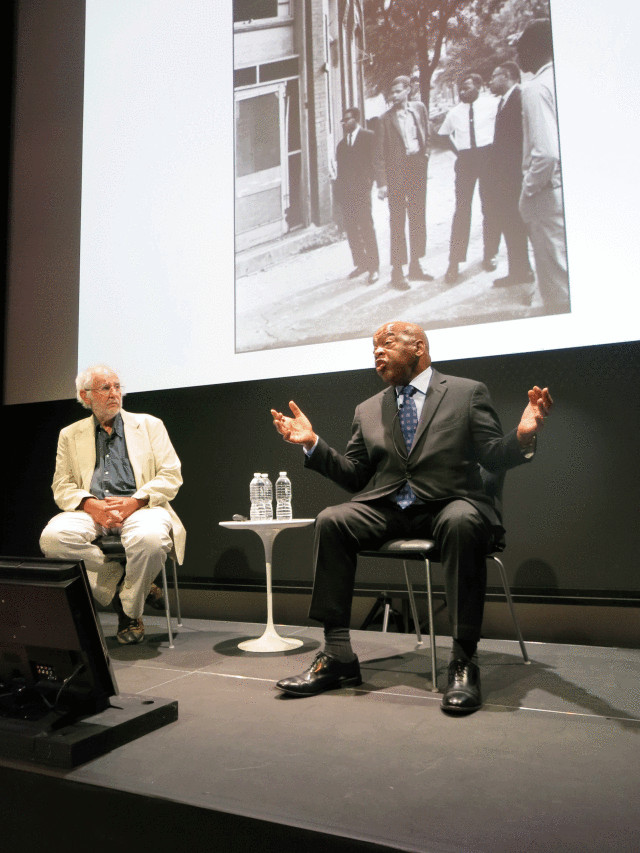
(85, 379)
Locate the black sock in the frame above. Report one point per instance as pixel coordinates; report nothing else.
(463, 649)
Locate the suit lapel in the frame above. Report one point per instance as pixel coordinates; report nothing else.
(435, 395)
(85, 443)
(390, 419)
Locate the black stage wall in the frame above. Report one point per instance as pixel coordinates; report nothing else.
(571, 515)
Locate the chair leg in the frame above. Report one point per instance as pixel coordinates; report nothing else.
(432, 631)
(165, 589)
(412, 603)
(378, 605)
(507, 592)
(176, 590)
(385, 616)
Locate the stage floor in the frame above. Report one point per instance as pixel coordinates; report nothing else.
(551, 762)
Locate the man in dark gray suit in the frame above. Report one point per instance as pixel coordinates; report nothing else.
(354, 159)
(401, 157)
(506, 173)
(428, 485)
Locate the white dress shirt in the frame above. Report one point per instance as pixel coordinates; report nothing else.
(456, 123)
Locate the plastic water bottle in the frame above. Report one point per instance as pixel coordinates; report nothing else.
(256, 493)
(268, 497)
(283, 497)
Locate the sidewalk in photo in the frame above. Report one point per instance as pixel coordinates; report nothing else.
(307, 297)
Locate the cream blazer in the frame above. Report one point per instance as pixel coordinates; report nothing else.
(155, 464)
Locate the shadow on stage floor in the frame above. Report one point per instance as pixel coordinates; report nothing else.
(549, 763)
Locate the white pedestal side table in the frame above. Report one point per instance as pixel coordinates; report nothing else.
(270, 641)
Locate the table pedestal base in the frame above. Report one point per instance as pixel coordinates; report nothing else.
(270, 641)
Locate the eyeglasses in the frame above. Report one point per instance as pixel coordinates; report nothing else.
(104, 389)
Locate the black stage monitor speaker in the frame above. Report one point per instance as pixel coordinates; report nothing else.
(59, 702)
(54, 663)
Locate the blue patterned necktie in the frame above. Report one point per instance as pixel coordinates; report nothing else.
(408, 416)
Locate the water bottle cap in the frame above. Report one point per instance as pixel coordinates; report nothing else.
(283, 473)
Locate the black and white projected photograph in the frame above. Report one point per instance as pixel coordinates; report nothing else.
(241, 201)
(394, 157)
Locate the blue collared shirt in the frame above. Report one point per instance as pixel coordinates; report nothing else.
(113, 474)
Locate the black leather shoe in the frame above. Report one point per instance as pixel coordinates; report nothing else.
(509, 280)
(325, 673)
(489, 264)
(418, 274)
(462, 695)
(356, 272)
(399, 281)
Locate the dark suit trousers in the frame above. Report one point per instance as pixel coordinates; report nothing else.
(463, 538)
(473, 166)
(510, 224)
(358, 223)
(407, 194)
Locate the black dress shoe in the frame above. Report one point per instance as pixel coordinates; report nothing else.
(418, 274)
(355, 273)
(489, 264)
(399, 281)
(462, 695)
(325, 673)
(515, 278)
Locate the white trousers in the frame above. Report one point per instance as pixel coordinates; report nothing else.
(146, 538)
(543, 214)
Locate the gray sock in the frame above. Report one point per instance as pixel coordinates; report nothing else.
(337, 643)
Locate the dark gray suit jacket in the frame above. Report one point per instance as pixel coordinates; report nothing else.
(458, 432)
(390, 156)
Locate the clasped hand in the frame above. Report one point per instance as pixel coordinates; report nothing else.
(112, 511)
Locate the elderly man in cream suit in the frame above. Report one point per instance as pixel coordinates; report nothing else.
(115, 471)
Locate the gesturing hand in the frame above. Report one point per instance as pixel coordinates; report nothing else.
(538, 408)
(295, 430)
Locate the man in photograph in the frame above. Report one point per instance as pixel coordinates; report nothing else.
(506, 173)
(354, 159)
(413, 464)
(541, 201)
(470, 127)
(402, 154)
(115, 471)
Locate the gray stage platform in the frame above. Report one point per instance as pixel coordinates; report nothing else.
(552, 761)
